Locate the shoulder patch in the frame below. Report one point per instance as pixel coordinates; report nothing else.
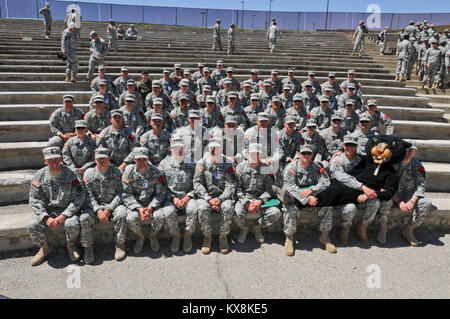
(75, 182)
(292, 171)
(321, 170)
(131, 136)
(161, 178)
(230, 170)
(385, 116)
(83, 115)
(421, 169)
(125, 180)
(85, 179)
(36, 184)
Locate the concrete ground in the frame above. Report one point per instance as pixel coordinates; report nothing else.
(249, 271)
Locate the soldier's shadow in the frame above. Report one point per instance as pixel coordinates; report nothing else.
(395, 238)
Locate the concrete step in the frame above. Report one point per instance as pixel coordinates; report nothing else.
(421, 130)
(42, 97)
(412, 114)
(405, 101)
(443, 106)
(30, 112)
(436, 98)
(24, 131)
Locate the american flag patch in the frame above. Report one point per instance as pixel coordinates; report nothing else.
(125, 180)
(36, 184)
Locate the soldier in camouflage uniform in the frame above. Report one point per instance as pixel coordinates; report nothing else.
(360, 35)
(120, 83)
(102, 76)
(201, 98)
(298, 112)
(422, 49)
(310, 100)
(404, 55)
(276, 113)
(349, 116)
(335, 87)
(62, 122)
(266, 95)
(286, 97)
(291, 140)
(97, 119)
(334, 135)
(144, 193)
(211, 115)
(235, 84)
(232, 108)
(294, 83)
(350, 95)
(180, 114)
(207, 80)
(432, 61)
(199, 73)
(144, 86)
(254, 188)
(217, 42)
(322, 114)
(133, 116)
(180, 194)
(251, 111)
(214, 185)
(317, 89)
(317, 143)
(47, 19)
(382, 36)
(157, 140)
(410, 195)
(68, 48)
(168, 84)
(99, 49)
(119, 139)
(111, 31)
(57, 197)
(131, 91)
(168, 124)
(109, 100)
(231, 39)
(104, 187)
(378, 118)
(328, 92)
(184, 90)
(277, 85)
(363, 133)
(351, 79)
(157, 93)
(257, 84)
(78, 151)
(302, 180)
(187, 76)
(219, 73)
(244, 95)
(233, 139)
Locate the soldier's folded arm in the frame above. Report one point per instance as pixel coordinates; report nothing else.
(390, 188)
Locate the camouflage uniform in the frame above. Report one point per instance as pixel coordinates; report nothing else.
(210, 120)
(79, 153)
(134, 119)
(97, 47)
(333, 141)
(97, 121)
(362, 140)
(120, 143)
(318, 145)
(322, 117)
(360, 34)
(350, 121)
(252, 114)
(310, 101)
(157, 145)
(47, 20)
(62, 122)
(300, 116)
(68, 47)
(378, 119)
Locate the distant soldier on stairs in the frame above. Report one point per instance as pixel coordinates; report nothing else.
(99, 48)
(382, 36)
(47, 19)
(360, 34)
(68, 48)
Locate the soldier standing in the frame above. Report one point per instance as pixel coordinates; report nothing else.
(272, 34)
(104, 186)
(68, 48)
(157, 140)
(360, 34)
(99, 49)
(382, 36)
(217, 41)
(111, 30)
(404, 53)
(432, 61)
(231, 39)
(57, 197)
(47, 19)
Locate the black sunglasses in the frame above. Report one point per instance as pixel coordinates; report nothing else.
(306, 153)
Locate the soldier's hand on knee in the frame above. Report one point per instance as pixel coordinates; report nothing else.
(51, 223)
(362, 198)
(410, 206)
(312, 201)
(306, 192)
(403, 207)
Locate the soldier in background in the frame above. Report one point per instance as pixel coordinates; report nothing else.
(68, 48)
(360, 35)
(111, 30)
(217, 41)
(47, 19)
(99, 49)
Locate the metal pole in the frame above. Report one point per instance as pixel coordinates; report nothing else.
(242, 19)
(270, 12)
(253, 21)
(326, 17)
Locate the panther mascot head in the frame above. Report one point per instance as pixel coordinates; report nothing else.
(383, 149)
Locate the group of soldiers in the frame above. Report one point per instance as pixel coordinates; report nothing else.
(203, 144)
(421, 47)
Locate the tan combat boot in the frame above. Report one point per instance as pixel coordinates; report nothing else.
(353, 53)
(206, 248)
(46, 36)
(258, 234)
(361, 233)
(139, 244)
(73, 79)
(175, 245)
(381, 238)
(187, 242)
(120, 252)
(343, 236)
(326, 242)
(43, 252)
(223, 244)
(154, 243)
(409, 235)
(73, 252)
(435, 85)
(360, 54)
(242, 235)
(396, 77)
(289, 245)
(67, 79)
(89, 255)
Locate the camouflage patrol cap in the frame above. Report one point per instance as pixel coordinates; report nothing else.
(255, 148)
(206, 70)
(194, 114)
(351, 86)
(177, 66)
(131, 25)
(156, 84)
(102, 82)
(131, 82)
(372, 102)
(254, 71)
(348, 139)
(328, 87)
(101, 67)
(187, 71)
(101, 152)
(156, 116)
(206, 88)
(166, 71)
(157, 100)
(336, 116)
(230, 69)
(324, 98)
(219, 62)
(81, 123)
(289, 119)
(231, 119)
(446, 30)
(254, 96)
(227, 81)
(177, 142)
(413, 145)
(297, 97)
(184, 82)
(307, 83)
(183, 97)
(443, 41)
(68, 97)
(267, 83)
(276, 98)
(312, 73)
(130, 97)
(433, 41)
(311, 123)
(351, 71)
(140, 152)
(361, 22)
(210, 99)
(331, 74)
(274, 71)
(287, 87)
(116, 112)
(144, 72)
(350, 102)
(124, 69)
(51, 152)
(364, 117)
(291, 70)
(99, 98)
(263, 116)
(306, 148)
(200, 65)
(247, 83)
(215, 142)
(232, 94)
(92, 34)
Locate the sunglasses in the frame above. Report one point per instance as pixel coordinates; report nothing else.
(364, 122)
(306, 153)
(350, 145)
(336, 121)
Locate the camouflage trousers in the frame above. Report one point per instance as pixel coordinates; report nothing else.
(359, 43)
(47, 26)
(411, 64)
(292, 213)
(93, 63)
(56, 141)
(72, 64)
(119, 220)
(273, 43)
(430, 73)
(370, 207)
(113, 43)
(191, 211)
(402, 66)
(383, 211)
(421, 210)
(156, 222)
(39, 231)
(265, 217)
(217, 43)
(347, 212)
(231, 47)
(382, 46)
(226, 216)
(440, 76)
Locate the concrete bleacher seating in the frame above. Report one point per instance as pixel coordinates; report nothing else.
(32, 85)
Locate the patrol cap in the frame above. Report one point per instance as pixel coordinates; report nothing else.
(206, 88)
(348, 139)
(116, 112)
(80, 123)
(99, 98)
(364, 117)
(227, 81)
(372, 102)
(307, 83)
(289, 119)
(247, 83)
(351, 71)
(219, 62)
(274, 71)
(230, 69)
(131, 25)
(351, 86)
(206, 70)
(130, 97)
(267, 83)
(140, 152)
(350, 102)
(101, 152)
(124, 69)
(254, 71)
(131, 81)
(166, 71)
(446, 30)
(413, 145)
(51, 152)
(200, 65)
(254, 96)
(102, 82)
(144, 72)
(255, 148)
(336, 116)
(210, 99)
(433, 41)
(156, 84)
(184, 82)
(183, 97)
(443, 41)
(177, 142)
(306, 148)
(231, 119)
(311, 123)
(297, 97)
(328, 87)
(287, 87)
(215, 142)
(194, 113)
(156, 116)
(331, 74)
(263, 116)
(68, 97)
(276, 98)
(312, 73)
(93, 34)
(187, 71)
(324, 98)
(232, 94)
(362, 21)
(177, 66)
(291, 70)
(157, 100)
(101, 67)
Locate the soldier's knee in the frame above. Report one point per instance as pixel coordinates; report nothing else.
(34, 224)
(72, 222)
(87, 219)
(424, 204)
(133, 216)
(120, 213)
(227, 206)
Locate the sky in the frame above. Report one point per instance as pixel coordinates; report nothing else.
(389, 6)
